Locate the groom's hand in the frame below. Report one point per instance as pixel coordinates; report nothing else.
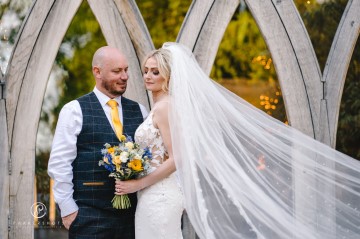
(67, 220)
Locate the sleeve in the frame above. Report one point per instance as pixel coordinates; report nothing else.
(63, 153)
(143, 111)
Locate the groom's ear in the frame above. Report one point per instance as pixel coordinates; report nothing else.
(96, 71)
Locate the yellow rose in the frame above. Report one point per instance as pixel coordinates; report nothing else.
(117, 160)
(135, 165)
(129, 145)
(111, 150)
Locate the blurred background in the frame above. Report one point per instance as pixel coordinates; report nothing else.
(243, 65)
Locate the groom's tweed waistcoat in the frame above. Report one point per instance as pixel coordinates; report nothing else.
(95, 132)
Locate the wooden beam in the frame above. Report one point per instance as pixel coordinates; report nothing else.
(212, 32)
(18, 63)
(193, 22)
(284, 51)
(203, 28)
(306, 59)
(116, 34)
(53, 17)
(4, 172)
(338, 62)
(330, 215)
(136, 27)
(2, 85)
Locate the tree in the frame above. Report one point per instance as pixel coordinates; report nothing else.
(163, 18)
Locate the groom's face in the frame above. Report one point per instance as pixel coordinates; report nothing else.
(114, 75)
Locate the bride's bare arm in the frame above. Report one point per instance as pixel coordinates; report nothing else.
(160, 120)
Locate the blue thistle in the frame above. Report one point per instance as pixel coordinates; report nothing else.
(128, 138)
(147, 152)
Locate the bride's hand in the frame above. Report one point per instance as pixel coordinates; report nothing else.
(125, 187)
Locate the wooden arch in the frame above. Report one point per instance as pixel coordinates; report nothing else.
(311, 100)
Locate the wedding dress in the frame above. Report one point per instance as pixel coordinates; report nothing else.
(160, 206)
(245, 174)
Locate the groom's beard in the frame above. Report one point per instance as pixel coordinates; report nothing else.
(114, 88)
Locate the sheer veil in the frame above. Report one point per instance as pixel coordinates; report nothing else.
(247, 175)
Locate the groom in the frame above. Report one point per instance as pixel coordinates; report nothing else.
(82, 188)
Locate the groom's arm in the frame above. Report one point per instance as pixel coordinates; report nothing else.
(62, 155)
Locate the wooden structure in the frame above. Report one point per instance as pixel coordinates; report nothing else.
(311, 98)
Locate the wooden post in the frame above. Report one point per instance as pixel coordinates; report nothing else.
(337, 64)
(136, 27)
(29, 68)
(4, 166)
(203, 31)
(193, 22)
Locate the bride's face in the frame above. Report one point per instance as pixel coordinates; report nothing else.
(152, 78)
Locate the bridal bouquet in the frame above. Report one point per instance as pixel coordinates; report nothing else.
(125, 161)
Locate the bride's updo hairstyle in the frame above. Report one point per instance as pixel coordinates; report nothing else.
(162, 57)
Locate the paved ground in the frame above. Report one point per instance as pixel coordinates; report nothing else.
(47, 233)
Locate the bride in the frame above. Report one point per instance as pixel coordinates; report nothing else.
(160, 202)
(239, 172)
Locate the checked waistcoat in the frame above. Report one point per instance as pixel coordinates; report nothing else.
(92, 186)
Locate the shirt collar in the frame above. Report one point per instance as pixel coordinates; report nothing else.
(103, 99)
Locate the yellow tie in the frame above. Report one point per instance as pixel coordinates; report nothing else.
(115, 118)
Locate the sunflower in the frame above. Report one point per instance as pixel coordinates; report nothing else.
(135, 165)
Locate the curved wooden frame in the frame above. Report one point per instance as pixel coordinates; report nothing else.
(310, 108)
(26, 79)
(337, 64)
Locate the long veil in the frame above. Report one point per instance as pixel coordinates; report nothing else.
(247, 175)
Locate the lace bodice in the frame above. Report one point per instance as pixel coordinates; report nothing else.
(148, 136)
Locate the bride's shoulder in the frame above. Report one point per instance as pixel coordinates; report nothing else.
(161, 107)
(160, 113)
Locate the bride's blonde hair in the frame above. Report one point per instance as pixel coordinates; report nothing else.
(163, 58)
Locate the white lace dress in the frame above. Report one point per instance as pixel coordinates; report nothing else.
(160, 206)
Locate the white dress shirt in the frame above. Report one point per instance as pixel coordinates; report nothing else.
(64, 152)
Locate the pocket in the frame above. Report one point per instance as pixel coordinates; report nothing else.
(74, 223)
